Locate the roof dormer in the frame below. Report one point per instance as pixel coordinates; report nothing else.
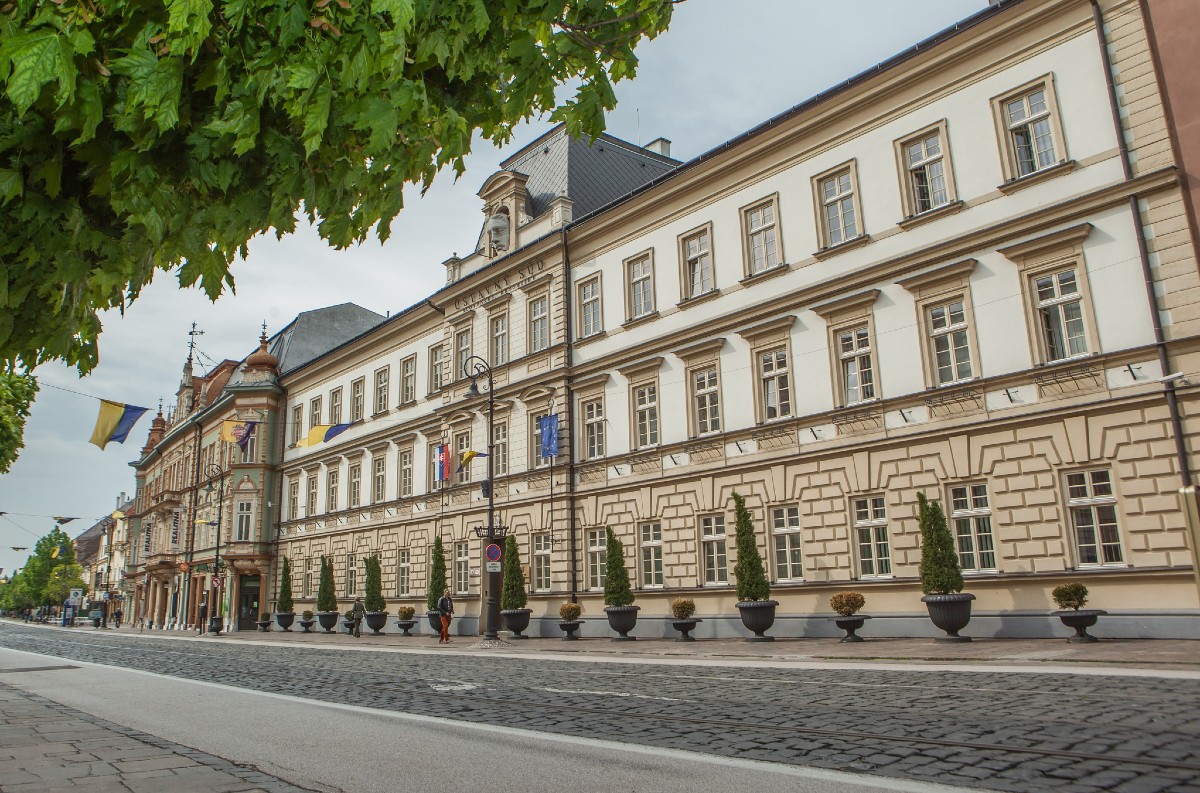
(505, 210)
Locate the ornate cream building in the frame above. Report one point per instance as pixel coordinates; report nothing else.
(968, 272)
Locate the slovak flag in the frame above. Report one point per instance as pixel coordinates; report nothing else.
(444, 462)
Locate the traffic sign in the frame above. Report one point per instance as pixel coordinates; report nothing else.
(217, 581)
(493, 554)
(493, 567)
(76, 596)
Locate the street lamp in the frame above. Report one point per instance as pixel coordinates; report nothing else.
(474, 368)
(215, 621)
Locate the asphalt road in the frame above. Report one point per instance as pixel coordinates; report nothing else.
(510, 717)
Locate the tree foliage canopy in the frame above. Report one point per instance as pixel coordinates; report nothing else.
(143, 136)
(16, 395)
(31, 586)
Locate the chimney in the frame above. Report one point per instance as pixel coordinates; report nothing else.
(660, 146)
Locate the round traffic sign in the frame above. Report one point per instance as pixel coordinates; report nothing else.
(493, 553)
(216, 582)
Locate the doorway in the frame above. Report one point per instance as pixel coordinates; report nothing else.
(247, 602)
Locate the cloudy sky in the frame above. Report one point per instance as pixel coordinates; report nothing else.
(722, 68)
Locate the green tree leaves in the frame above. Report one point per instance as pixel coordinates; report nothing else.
(16, 395)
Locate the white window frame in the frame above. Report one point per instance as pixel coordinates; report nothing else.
(774, 382)
(714, 543)
(378, 479)
(358, 388)
(1091, 492)
(499, 335)
(645, 410)
(437, 367)
(462, 443)
(1052, 304)
(462, 351)
(383, 377)
(293, 498)
(854, 346)
(872, 538)
(314, 412)
(593, 428)
(760, 230)
(403, 572)
(462, 568)
(538, 309)
(499, 448)
(408, 380)
(331, 489)
(543, 547)
(591, 315)
(839, 210)
(787, 544)
(597, 547)
(706, 398)
(949, 328)
(335, 406)
(406, 472)
(351, 581)
(297, 423)
(639, 290)
(971, 522)
(245, 517)
(651, 547)
(354, 491)
(927, 171)
(310, 505)
(697, 271)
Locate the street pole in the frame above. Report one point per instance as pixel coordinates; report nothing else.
(477, 367)
(215, 622)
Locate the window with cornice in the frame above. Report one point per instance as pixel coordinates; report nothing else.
(311, 504)
(406, 473)
(331, 490)
(945, 317)
(645, 409)
(408, 380)
(293, 499)
(761, 237)
(851, 340)
(379, 480)
(593, 428)
(696, 262)
(335, 406)
(462, 444)
(837, 199)
(591, 321)
(500, 448)
(355, 479)
(775, 383)
(462, 351)
(927, 172)
(499, 339)
(539, 323)
(297, 423)
(314, 412)
(357, 391)
(706, 400)
(639, 297)
(437, 367)
(382, 376)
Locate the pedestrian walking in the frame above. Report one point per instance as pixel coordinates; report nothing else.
(446, 609)
(203, 617)
(357, 612)
(117, 617)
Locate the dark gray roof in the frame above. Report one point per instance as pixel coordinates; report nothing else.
(313, 333)
(590, 174)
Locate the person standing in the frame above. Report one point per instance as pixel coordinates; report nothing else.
(203, 617)
(357, 612)
(446, 609)
(117, 616)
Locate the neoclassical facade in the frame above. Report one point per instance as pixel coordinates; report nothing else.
(969, 272)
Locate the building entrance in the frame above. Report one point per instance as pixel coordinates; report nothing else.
(247, 602)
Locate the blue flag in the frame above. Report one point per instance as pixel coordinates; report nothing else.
(549, 428)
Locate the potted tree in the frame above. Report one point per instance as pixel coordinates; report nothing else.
(406, 622)
(569, 614)
(753, 591)
(327, 613)
(437, 585)
(264, 622)
(682, 610)
(618, 597)
(513, 597)
(283, 607)
(847, 605)
(306, 621)
(373, 601)
(1070, 599)
(941, 577)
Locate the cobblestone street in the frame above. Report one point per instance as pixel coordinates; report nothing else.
(990, 729)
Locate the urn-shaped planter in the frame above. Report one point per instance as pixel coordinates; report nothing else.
(285, 619)
(569, 627)
(376, 620)
(850, 625)
(263, 625)
(1080, 620)
(435, 621)
(328, 620)
(950, 612)
(758, 616)
(307, 625)
(622, 619)
(516, 620)
(685, 628)
(216, 625)
(406, 626)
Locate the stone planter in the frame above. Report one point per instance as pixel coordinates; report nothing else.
(850, 625)
(569, 627)
(216, 625)
(685, 627)
(307, 625)
(406, 626)
(435, 621)
(758, 616)
(516, 620)
(263, 626)
(328, 620)
(376, 620)
(950, 612)
(622, 619)
(1080, 620)
(285, 620)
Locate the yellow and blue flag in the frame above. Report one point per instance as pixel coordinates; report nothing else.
(323, 432)
(114, 422)
(466, 457)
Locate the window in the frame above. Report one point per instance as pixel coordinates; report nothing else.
(1093, 508)
(500, 448)
(403, 572)
(335, 406)
(293, 499)
(381, 390)
(593, 429)
(309, 589)
(314, 413)
(775, 387)
(950, 340)
(971, 516)
(331, 490)
(250, 449)
(408, 380)
(838, 201)
(406, 473)
(435, 467)
(356, 399)
(311, 505)
(697, 265)
(462, 443)
(379, 480)
(652, 554)
(712, 541)
(244, 517)
(645, 405)
(499, 339)
(351, 575)
(1060, 311)
(858, 376)
(590, 320)
(785, 535)
(871, 535)
(1028, 123)
(462, 351)
(437, 368)
(355, 479)
(762, 248)
(297, 424)
(596, 549)
(462, 568)
(925, 169)
(707, 402)
(539, 323)
(535, 451)
(640, 279)
(542, 547)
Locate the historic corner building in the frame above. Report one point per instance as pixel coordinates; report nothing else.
(204, 520)
(969, 272)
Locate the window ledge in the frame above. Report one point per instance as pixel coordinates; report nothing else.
(1013, 185)
(931, 214)
(380, 414)
(589, 339)
(763, 275)
(833, 250)
(639, 320)
(688, 302)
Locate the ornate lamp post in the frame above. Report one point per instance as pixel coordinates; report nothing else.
(475, 368)
(216, 622)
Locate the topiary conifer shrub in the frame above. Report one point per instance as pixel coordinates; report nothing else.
(326, 600)
(373, 586)
(513, 595)
(749, 572)
(617, 591)
(437, 574)
(940, 571)
(284, 604)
